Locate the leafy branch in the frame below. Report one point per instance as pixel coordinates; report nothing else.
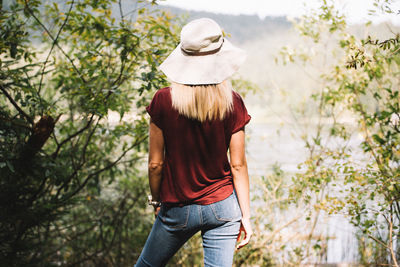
(17, 107)
(31, 12)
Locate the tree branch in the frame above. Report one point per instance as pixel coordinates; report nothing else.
(52, 46)
(83, 156)
(121, 13)
(76, 168)
(84, 128)
(109, 166)
(56, 43)
(16, 123)
(9, 97)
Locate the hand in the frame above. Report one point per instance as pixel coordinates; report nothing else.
(156, 211)
(245, 228)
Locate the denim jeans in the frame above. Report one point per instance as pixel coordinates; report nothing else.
(218, 222)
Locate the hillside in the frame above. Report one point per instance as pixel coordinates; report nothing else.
(242, 28)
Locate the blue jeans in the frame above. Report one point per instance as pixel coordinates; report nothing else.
(218, 222)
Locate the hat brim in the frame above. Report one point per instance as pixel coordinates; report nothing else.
(182, 68)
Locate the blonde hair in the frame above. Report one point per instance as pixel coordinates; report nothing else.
(202, 102)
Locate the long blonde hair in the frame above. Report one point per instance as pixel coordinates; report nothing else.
(202, 102)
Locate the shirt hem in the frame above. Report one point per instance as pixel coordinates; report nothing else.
(220, 196)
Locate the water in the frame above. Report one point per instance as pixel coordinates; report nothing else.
(269, 143)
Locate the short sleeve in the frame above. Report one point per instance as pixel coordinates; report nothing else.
(154, 109)
(240, 115)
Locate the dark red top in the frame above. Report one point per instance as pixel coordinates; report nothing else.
(196, 167)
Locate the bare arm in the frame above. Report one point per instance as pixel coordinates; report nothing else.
(241, 182)
(156, 160)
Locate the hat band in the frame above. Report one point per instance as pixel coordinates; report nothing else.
(205, 53)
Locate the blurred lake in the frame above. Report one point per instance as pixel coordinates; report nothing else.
(270, 143)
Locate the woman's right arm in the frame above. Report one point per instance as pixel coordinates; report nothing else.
(241, 183)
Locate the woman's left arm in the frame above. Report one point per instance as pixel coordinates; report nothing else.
(156, 160)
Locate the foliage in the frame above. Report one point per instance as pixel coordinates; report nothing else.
(244, 87)
(272, 212)
(75, 78)
(353, 164)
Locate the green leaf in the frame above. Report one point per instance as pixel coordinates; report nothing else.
(378, 139)
(10, 166)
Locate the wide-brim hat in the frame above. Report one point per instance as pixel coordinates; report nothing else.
(203, 56)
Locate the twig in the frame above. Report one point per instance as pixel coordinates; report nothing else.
(27, 117)
(109, 166)
(392, 253)
(378, 241)
(16, 123)
(83, 156)
(81, 163)
(52, 46)
(121, 13)
(72, 136)
(56, 43)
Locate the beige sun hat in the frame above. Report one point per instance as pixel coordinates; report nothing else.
(203, 56)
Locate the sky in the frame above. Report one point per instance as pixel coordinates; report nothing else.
(356, 11)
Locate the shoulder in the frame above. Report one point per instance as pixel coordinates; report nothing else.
(163, 92)
(162, 97)
(237, 98)
(240, 116)
(159, 105)
(161, 100)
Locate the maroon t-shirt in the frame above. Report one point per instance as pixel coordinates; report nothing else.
(196, 167)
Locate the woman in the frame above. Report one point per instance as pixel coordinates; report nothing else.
(193, 123)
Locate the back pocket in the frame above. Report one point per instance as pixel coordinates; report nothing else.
(227, 210)
(175, 217)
